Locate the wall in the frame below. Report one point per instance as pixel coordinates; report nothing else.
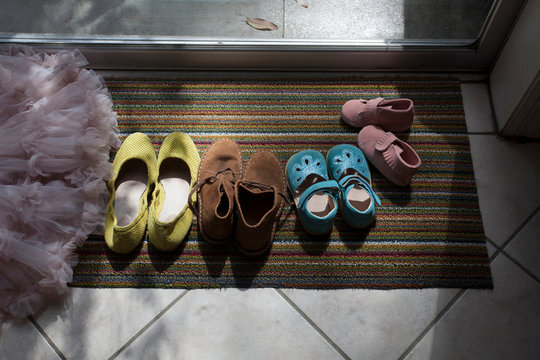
(515, 78)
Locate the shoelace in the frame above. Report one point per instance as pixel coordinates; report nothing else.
(201, 183)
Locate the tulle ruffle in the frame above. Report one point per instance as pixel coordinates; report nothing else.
(56, 130)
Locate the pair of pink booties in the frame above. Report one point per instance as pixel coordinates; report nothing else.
(378, 118)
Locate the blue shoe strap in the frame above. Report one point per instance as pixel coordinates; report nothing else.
(350, 180)
(329, 187)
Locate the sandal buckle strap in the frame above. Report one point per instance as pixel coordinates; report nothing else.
(329, 187)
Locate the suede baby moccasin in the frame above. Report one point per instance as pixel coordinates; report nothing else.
(259, 200)
(134, 174)
(394, 158)
(349, 167)
(219, 170)
(314, 194)
(170, 218)
(393, 114)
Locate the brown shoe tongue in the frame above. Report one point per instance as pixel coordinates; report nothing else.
(222, 209)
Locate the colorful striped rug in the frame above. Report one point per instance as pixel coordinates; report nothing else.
(428, 235)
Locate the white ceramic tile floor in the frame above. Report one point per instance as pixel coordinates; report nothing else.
(372, 324)
(477, 106)
(231, 324)
(344, 324)
(525, 248)
(22, 340)
(508, 180)
(94, 323)
(498, 324)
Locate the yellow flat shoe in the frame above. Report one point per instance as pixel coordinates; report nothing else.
(134, 175)
(170, 217)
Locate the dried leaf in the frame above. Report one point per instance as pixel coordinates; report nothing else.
(261, 24)
(302, 3)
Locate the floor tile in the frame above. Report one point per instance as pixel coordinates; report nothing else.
(195, 18)
(328, 19)
(477, 107)
(489, 324)
(231, 324)
(215, 18)
(360, 20)
(372, 324)
(21, 340)
(491, 249)
(387, 20)
(94, 323)
(525, 247)
(442, 19)
(507, 174)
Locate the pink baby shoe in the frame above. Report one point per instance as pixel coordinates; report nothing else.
(394, 158)
(392, 115)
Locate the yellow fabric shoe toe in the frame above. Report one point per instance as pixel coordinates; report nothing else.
(134, 175)
(170, 217)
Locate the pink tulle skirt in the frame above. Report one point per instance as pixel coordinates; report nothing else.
(56, 130)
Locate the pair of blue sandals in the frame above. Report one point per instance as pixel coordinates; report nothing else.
(316, 194)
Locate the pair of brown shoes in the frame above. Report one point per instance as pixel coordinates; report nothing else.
(245, 206)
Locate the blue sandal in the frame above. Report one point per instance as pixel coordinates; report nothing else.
(348, 166)
(314, 194)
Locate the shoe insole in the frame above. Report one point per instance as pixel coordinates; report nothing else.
(396, 105)
(319, 204)
(175, 177)
(359, 198)
(130, 186)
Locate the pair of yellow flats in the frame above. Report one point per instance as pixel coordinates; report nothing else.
(169, 179)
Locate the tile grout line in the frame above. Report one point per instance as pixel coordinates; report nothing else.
(432, 324)
(488, 240)
(312, 323)
(47, 338)
(519, 265)
(498, 251)
(514, 234)
(148, 325)
(501, 249)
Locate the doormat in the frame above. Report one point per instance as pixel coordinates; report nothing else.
(427, 235)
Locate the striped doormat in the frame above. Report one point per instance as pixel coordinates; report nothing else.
(428, 235)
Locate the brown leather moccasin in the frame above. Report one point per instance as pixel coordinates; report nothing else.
(259, 203)
(219, 170)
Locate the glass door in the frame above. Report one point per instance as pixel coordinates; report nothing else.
(267, 34)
